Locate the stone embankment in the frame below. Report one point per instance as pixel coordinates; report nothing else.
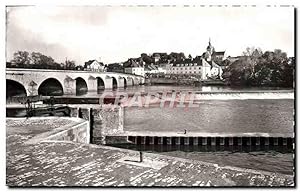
(35, 158)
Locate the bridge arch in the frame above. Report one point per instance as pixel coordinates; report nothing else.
(15, 88)
(81, 86)
(125, 82)
(100, 84)
(50, 87)
(132, 81)
(114, 83)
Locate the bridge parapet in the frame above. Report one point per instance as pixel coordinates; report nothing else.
(31, 79)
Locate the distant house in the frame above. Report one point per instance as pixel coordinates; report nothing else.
(164, 67)
(187, 67)
(214, 71)
(132, 66)
(151, 69)
(197, 67)
(94, 65)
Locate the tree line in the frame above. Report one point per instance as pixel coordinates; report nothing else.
(257, 68)
(36, 60)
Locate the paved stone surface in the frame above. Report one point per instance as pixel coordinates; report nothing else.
(74, 164)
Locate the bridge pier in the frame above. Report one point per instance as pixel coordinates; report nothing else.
(129, 81)
(136, 81)
(69, 87)
(108, 82)
(92, 84)
(120, 82)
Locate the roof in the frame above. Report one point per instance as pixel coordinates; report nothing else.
(150, 67)
(189, 61)
(91, 61)
(218, 53)
(213, 64)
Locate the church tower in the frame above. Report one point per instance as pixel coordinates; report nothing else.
(209, 51)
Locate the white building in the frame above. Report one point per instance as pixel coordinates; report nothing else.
(94, 65)
(200, 67)
(136, 68)
(190, 67)
(212, 70)
(151, 69)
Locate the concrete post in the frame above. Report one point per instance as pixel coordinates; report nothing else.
(257, 141)
(213, 141)
(204, 141)
(248, 141)
(231, 141)
(143, 140)
(222, 141)
(240, 143)
(284, 141)
(195, 141)
(186, 141)
(267, 141)
(177, 140)
(160, 140)
(169, 141)
(151, 142)
(275, 141)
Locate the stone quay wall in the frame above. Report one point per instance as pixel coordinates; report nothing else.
(103, 121)
(79, 133)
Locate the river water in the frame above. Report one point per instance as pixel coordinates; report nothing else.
(221, 116)
(215, 116)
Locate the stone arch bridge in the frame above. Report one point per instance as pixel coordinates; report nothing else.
(32, 79)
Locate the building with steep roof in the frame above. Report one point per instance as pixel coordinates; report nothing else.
(134, 66)
(94, 65)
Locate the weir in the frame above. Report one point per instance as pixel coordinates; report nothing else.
(244, 95)
(244, 140)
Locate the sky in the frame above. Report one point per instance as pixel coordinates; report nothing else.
(114, 34)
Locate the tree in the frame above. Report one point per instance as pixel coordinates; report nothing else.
(146, 58)
(42, 61)
(252, 54)
(70, 64)
(272, 68)
(21, 58)
(238, 73)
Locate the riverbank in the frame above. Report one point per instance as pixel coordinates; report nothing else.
(65, 163)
